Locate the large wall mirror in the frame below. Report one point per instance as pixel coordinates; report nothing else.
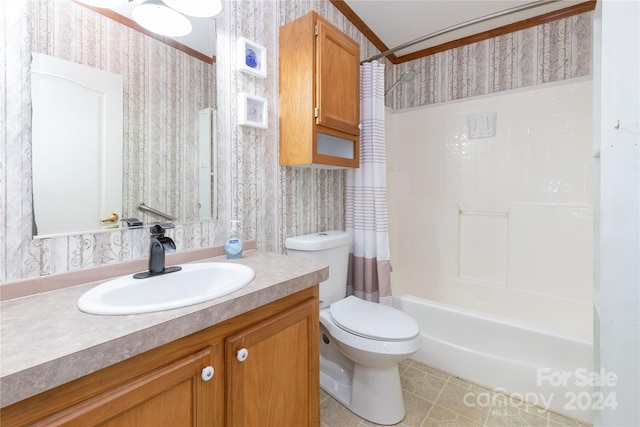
(168, 151)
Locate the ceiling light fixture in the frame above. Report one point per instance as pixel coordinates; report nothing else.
(197, 8)
(157, 17)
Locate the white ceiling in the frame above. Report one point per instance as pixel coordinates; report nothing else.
(396, 22)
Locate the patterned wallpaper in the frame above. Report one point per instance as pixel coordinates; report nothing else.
(272, 202)
(546, 53)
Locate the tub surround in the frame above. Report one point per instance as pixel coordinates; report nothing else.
(500, 224)
(47, 341)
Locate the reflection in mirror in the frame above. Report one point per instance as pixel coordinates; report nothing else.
(164, 92)
(200, 42)
(77, 146)
(207, 166)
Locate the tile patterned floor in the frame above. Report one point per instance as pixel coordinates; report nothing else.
(435, 399)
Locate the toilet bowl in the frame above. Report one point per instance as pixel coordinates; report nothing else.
(358, 367)
(361, 342)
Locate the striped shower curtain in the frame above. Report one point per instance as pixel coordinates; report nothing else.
(366, 196)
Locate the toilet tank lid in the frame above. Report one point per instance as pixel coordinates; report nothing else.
(318, 241)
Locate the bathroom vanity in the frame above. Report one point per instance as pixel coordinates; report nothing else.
(250, 358)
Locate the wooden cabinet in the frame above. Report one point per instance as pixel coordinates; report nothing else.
(319, 98)
(171, 395)
(276, 385)
(271, 381)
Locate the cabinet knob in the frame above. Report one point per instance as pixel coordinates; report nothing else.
(207, 373)
(243, 353)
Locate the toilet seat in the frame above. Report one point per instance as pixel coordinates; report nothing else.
(373, 321)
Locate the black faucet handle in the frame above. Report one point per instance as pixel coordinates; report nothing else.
(159, 229)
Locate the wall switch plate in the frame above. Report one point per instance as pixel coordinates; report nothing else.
(482, 125)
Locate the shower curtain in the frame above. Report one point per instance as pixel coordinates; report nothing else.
(366, 196)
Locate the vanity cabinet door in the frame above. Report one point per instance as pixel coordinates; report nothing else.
(173, 395)
(272, 371)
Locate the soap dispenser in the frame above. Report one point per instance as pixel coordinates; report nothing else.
(233, 246)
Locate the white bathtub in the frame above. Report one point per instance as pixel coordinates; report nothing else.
(546, 368)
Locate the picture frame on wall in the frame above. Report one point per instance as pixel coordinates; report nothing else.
(252, 58)
(252, 111)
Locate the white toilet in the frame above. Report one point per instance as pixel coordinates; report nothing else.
(361, 342)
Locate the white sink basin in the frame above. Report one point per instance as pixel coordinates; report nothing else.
(194, 284)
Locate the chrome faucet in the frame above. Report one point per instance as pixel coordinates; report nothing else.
(158, 245)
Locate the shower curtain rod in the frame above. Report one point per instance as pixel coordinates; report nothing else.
(505, 12)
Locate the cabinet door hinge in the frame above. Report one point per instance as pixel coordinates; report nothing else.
(316, 29)
(315, 112)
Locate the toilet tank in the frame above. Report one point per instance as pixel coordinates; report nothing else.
(327, 247)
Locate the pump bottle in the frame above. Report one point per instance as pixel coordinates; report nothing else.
(233, 246)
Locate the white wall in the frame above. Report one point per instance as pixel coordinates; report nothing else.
(617, 290)
(500, 224)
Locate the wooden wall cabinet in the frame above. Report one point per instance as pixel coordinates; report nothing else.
(276, 384)
(319, 94)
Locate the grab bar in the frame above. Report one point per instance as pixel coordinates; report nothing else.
(146, 208)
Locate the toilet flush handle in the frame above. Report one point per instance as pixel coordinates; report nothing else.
(242, 354)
